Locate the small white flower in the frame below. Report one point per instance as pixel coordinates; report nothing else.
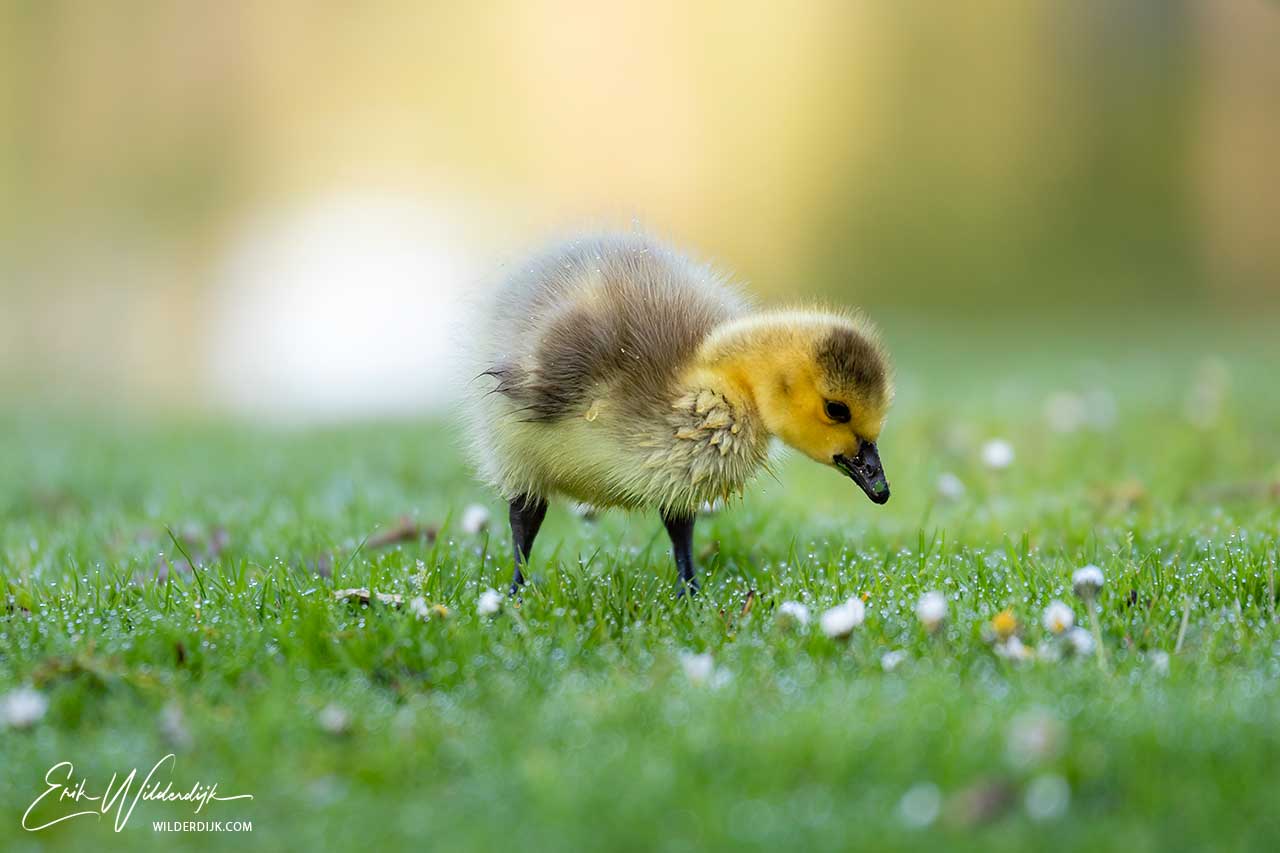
(931, 610)
(920, 805)
(489, 603)
(840, 620)
(475, 518)
(1087, 581)
(23, 707)
(697, 668)
(950, 487)
(1058, 618)
(418, 607)
(334, 719)
(1080, 641)
(793, 613)
(1047, 797)
(997, 454)
(889, 661)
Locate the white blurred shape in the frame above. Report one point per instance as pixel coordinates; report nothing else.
(997, 454)
(22, 707)
(1047, 797)
(698, 668)
(950, 487)
(1058, 617)
(891, 660)
(931, 609)
(793, 613)
(920, 805)
(347, 306)
(475, 518)
(840, 620)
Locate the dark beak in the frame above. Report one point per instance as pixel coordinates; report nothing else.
(865, 470)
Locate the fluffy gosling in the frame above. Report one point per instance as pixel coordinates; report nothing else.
(618, 372)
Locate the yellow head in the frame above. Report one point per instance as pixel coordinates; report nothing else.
(820, 381)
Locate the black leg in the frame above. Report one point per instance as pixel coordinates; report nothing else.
(526, 516)
(680, 529)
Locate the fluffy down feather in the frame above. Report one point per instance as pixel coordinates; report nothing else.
(581, 392)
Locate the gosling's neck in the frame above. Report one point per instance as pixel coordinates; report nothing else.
(754, 361)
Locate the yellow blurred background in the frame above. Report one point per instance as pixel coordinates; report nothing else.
(276, 206)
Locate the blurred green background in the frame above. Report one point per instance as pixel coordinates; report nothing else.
(1063, 214)
(277, 208)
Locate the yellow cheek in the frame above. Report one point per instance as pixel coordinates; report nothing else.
(816, 439)
(868, 426)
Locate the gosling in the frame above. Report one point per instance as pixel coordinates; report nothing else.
(618, 372)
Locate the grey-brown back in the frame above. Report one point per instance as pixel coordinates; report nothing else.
(620, 309)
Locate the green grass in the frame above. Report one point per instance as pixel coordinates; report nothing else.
(570, 722)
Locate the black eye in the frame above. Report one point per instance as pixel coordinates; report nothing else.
(838, 411)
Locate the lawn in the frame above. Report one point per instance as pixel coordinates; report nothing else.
(582, 717)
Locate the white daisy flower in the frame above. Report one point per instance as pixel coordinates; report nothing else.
(840, 620)
(792, 613)
(1080, 641)
(489, 603)
(997, 454)
(950, 487)
(23, 707)
(1087, 581)
(475, 518)
(931, 610)
(1058, 618)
